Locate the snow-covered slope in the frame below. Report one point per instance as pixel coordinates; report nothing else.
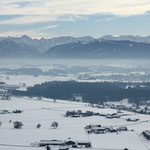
(145, 39)
(100, 49)
(10, 49)
(42, 45)
(46, 111)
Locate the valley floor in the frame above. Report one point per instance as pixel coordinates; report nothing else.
(46, 111)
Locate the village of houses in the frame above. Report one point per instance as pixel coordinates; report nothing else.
(35, 123)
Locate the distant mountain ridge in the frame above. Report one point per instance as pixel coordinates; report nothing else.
(145, 39)
(8, 48)
(71, 47)
(100, 49)
(42, 45)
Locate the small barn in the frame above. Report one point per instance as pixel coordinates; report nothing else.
(51, 142)
(64, 148)
(122, 128)
(132, 120)
(98, 130)
(70, 142)
(4, 112)
(77, 97)
(146, 134)
(84, 144)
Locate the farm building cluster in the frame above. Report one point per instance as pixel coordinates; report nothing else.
(120, 107)
(17, 111)
(69, 143)
(79, 113)
(98, 129)
(118, 114)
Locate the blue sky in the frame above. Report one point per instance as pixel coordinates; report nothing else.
(52, 18)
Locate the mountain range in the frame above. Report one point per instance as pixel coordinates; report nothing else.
(100, 49)
(71, 47)
(42, 45)
(9, 48)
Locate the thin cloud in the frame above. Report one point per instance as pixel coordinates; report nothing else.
(50, 27)
(36, 11)
(33, 34)
(29, 19)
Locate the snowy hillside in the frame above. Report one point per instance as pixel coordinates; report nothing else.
(47, 111)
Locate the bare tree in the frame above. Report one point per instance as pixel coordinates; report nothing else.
(18, 124)
(54, 124)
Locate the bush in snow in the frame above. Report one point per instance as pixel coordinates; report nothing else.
(18, 124)
(38, 125)
(54, 125)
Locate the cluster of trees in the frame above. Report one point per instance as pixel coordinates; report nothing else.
(91, 92)
(19, 124)
(53, 125)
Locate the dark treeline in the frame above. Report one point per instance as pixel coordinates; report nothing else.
(91, 92)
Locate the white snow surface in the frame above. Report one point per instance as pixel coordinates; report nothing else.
(19, 80)
(46, 111)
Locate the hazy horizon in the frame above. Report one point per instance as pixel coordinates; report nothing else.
(74, 62)
(38, 38)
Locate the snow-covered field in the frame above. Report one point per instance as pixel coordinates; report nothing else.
(46, 111)
(30, 80)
